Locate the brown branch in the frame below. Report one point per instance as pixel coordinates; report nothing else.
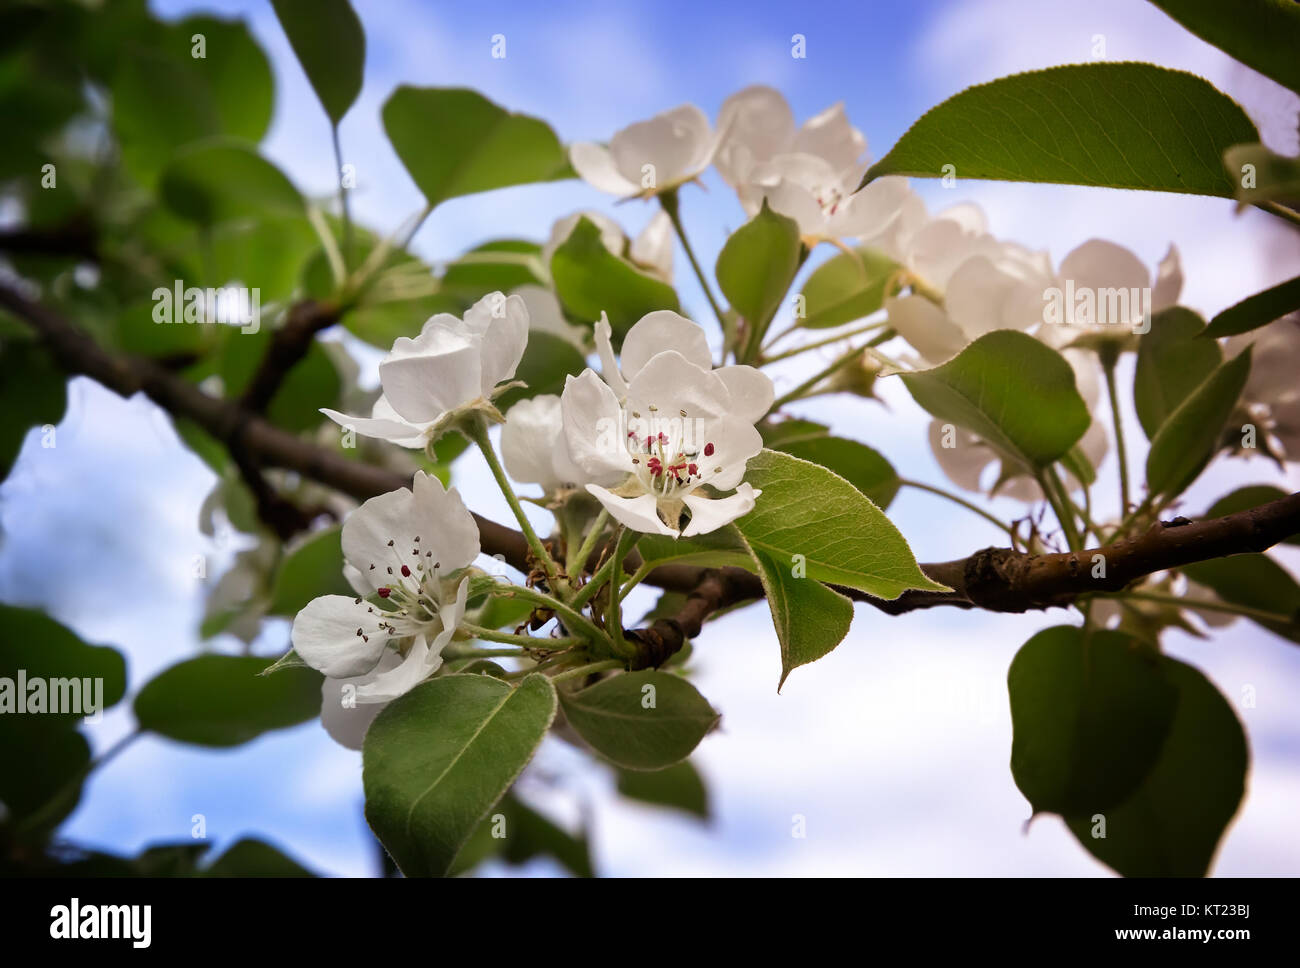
(74, 237)
(995, 579)
(289, 344)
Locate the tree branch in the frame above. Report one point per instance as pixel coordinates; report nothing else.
(289, 344)
(994, 579)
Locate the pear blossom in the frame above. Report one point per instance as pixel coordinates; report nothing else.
(408, 547)
(650, 156)
(810, 174)
(453, 368)
(1100, 279)
(534, 449)
(664, 424)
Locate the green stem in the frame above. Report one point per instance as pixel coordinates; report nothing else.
(468, 652)
(1108, 365)
(614, 613)
(821, 342)
(586, 670)
(670, 205)
(958, 499)
(573, 620)
(1052, 490)
(526, 641)
(637, 578)
(479, 434)
(803, 388)
(579, 561)
(1254, 613)
(1281, 211)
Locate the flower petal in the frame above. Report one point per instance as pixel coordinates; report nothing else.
(653, 248)
(324, 635)
(593, 425)
(395, 430)
(437, 371)
(964, 462)
(418, 664)
(926, 328)
(670, 148)
(1169, 281)
(609, 367)
(750, 389)
(638, 513)
(754, 124)
(663, 330)
(505, 340)
(829, 135)
(532, 432)
(595, 165)
(710, 513)
(347, 724)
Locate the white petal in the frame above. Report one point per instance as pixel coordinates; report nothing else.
(533, 430)
(397, 430)
(870, 210)
(324, 635)
(663, 330)
(750, 389)
(609, 367)
(710, 513)
(638, 513)
(595, 165)
(425, 377)
(347, 725)
(445, 525)
(1002, 292)
(963, 463)
(505, 340)
(671, 147)
(926, 328)
(545, 316)
(418, 664)
(653, 248)
(735, 442)
(829, 135)
(1098, 264)
(754, 124)
(593, 425)
(1169, 281)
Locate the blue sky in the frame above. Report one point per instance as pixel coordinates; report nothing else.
(895, 747)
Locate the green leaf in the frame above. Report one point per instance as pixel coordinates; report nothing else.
(860, 465)
(1256, 311)
(1089, 713)
(223, 700)
(33, 392)
(164, 97)
(47, 651)
(329, 43)
(1171, 363)
(589, 280)
(846, 288)
(39, 764)
(220, 180)
(1245, 498)
(250, 857)
(1016, 393)
(438, 758)
(757, 265)
(840, 537)
(644, 720)
(456, 142)
(1113, 125)
(1171, 826)
(547, 360)
(810, 619)
(312, 569)
(1190, 435)
(680, 787)
(1253, 581)
(777, 434)
(718, 549)
(1263, 34)
(517, 834)
(502, 265)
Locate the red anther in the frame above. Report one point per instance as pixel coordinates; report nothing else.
(663, 437)
(708, 450)
(693, 469)
(384, 592)
(406, 572)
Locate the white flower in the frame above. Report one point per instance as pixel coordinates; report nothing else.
(665, 424)
(453, 367)
(1001, 288)
(1116, 283)
(650, 156)
(534, 449)
(810, 175)
(407, 547)
(546, 316)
